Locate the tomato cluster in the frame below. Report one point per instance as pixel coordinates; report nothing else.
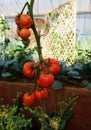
(24, 22)
(44, 79)
(42, 71)
(29, 99)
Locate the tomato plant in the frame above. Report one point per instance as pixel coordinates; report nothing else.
(45, 80)
(28, 99)
(29, 69)
(41, 94)
(51, 65)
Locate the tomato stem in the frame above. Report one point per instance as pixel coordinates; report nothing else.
(39, 50)
(43, 104)
(37, 36)
(24, 7)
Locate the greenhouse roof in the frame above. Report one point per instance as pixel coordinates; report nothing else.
(11, 8)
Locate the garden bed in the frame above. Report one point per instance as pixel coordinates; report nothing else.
(82, 116)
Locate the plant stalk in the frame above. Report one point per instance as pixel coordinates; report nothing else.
(37, 36)
(24, 7)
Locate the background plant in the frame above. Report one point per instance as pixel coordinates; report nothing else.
(77, 73)
(3, 27)
(18, 49)
(83, 49)
(12, 117)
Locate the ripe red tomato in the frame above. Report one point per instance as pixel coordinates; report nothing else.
(45, 80)
(41, 94)
(44, 93)
(24, 33)
(51, 65)
(28, 99)
(25, 21)
(29, 69)
(38, 94)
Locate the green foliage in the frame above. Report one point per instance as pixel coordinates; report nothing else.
(11, 69)
(57, 85)
(12, 118)
(87, 84)
(3, 24)
(3, 40)
(75, 73)
(18, 49)
(16, 55)
(84, 49)
(84, 42)
(84, 56)
(55, 120)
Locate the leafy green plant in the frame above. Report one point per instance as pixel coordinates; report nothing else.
(17, 49)
(16, 54)
(3, 27)
(12, 117)
(83, 49)
(55, 120)
(11, 69)
(77, 73)
(84, 56)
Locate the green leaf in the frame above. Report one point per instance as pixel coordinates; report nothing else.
(74, 74)
(7, 63)
(85, 82)
(6, 74)
(2, 62)
(62, 124)
(68, 115)
(57, 85)
(65, 68)
(88, 86)
(25, 60)
(78, 66)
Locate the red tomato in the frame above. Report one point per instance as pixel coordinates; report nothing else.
(41, 94)
(24, 33)
(45, 80)
(38, 94)
(25, 21)
(29, 69)
(28, 99)
(51, 65)
(44, 93)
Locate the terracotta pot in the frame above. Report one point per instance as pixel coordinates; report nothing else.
(82, 117)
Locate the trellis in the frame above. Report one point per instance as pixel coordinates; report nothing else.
(59, 42)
